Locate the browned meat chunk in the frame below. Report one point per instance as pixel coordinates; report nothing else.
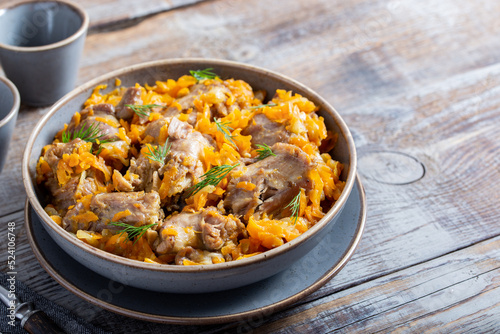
(131, 96)
(63, 194)
(265, 131)
(71, 223)
(178, 129)
(99, 125)
(217, 92)
(207, 230)
(277, 180)
(153, 129)
(55, 152)
(217, 229)
(103, 109)
(66, 195)
(102, 130)
(133, 208)
(182, 163)
(186, 102)
(147, 173)
(144, 208)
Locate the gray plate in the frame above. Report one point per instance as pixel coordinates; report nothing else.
(255, 300)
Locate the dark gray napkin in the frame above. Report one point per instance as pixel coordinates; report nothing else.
(61, 316)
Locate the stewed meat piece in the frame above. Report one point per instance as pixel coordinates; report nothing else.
(274, 182)
(65, 196)
(144, 207)
(54, 153)
(131, 96)
(186, 102)
(207, 230)
(216, 92)
(145, 173)
(133, 208)
(265, 131)
(63, 193)
(182, 163)
(98, 118)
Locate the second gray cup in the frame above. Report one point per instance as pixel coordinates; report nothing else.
(9, 108)
(40, 48)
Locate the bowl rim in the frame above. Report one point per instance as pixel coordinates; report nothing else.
(16, 101)
(68, 237)
(82, 30)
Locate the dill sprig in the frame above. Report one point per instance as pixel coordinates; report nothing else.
(212, 177)
(140, 109)
(225, 129)
(203, 74)
(264, 151)
(133, 231)
(294, 206)
(90, 134)
(158, 153)
(270, 104)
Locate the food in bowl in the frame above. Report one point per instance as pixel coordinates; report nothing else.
(190, 171)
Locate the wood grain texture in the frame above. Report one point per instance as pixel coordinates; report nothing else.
(110, 13)
(419, 87)
(427, 297)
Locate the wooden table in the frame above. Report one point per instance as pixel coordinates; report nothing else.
(418, 83)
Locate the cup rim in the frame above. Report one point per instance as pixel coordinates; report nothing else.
(83, 28)
(15, 105)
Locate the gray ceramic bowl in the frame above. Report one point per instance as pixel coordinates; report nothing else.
(186, 279)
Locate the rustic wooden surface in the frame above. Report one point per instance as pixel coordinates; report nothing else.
(418, 83)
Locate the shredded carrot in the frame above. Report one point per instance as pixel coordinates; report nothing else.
(120, 215)
(246, 186)
(108, 121)
(57, 219)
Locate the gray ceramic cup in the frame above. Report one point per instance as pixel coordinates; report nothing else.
(41, 43)
(9, 108)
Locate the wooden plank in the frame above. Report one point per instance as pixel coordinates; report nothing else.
(433, 215)
(350, 52)
(418, 85)
(109, 13)
(441, 295)
(453, 205)
(231, 30)
(424, 212)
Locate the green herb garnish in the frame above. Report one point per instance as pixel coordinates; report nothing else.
(270, 104)
(90, 134)
(158, 153)
(140, 109)
(133, 231)
(264, 151)
(99, 150)
(225, 129)
(212, 177)
(203, 74)
(294, 206)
